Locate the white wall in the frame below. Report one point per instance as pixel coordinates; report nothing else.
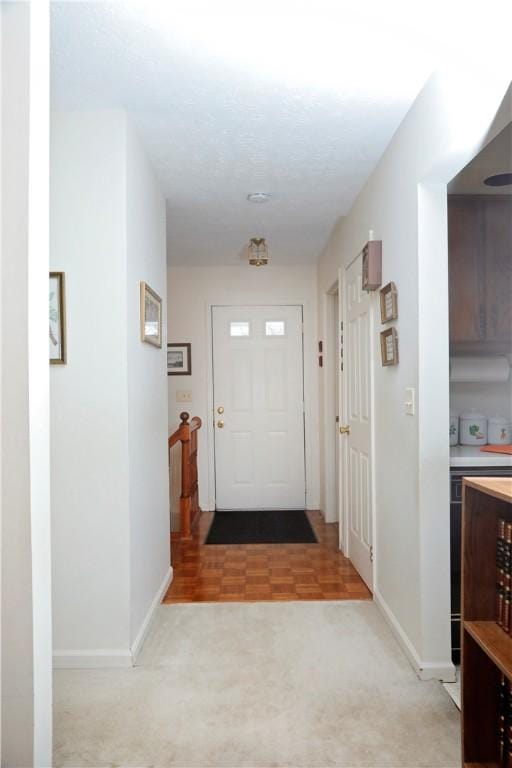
(191, 291)
(39, 379)
(89, 395)
(493, 399)
(26, 596)
(147, 389)
(108, 405)
(17, 661)
(404, 203)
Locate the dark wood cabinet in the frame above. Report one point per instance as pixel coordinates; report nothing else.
(456, 475)
(498, 264)
(466, 267)
(480, 269)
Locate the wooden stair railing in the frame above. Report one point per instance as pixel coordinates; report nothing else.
(189, 499)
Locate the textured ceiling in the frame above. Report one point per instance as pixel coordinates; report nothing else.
(300, 107)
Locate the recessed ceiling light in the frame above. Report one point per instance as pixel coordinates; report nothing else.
(499, 180)
(258, 197)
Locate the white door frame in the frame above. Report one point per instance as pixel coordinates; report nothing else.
(310, 389)
(343, 415)
(330, 360)
(342, 453)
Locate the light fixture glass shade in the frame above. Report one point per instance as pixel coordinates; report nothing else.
(257, 252)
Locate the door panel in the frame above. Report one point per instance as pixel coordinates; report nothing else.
(242, 456)
(258, 381)
(358, 417)
(275, 380)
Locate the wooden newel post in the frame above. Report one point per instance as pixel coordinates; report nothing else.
(185, 500)
(189, 499)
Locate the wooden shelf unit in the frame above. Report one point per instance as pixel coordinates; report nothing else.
(486, 648)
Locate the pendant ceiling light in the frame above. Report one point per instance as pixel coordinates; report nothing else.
(257, 252)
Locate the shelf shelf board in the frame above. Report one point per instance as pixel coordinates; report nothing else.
(499, 487)
(494, 641)
(481, 765)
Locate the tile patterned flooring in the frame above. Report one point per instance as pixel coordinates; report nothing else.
(254, 572)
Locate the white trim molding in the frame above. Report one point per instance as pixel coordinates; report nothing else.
(85, 658)
(144, 628)
(112, 658)
(426, 670)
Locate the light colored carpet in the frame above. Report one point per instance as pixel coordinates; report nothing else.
(258, 684)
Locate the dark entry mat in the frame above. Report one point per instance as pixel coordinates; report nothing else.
(261, 526)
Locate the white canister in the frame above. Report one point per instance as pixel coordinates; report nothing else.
(473, 429)
(454, 428)
(499, 430)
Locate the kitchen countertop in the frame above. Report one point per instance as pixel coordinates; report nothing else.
(472, 456)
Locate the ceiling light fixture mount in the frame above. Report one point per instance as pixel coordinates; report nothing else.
(258, 197)
(257, 252)
(499, 180)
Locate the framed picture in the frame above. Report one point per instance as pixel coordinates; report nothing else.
(150, 316)
(57, 319)
(179, 360)
(388, 303)
(389, 347)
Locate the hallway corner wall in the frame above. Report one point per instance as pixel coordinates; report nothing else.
(89, 395)
(110, 509)
(26, 674)
(400, 202)
(147, 390)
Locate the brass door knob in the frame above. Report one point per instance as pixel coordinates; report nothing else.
(220, 423)
(345, 430)
(220, 409)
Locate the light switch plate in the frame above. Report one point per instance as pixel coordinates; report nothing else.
(183, 396)
(410, 401)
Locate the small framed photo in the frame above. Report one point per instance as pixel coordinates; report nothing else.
(150, 316)
(389, 347)
(179, 360)
(388, 303)
(57, 319)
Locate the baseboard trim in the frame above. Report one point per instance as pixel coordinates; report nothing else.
(112, 658)
(141, 634)
(96, 658)
(426, 670)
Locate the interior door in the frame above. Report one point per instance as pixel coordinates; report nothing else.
(258, 407)
(358, 423)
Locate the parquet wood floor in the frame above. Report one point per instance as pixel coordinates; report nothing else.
(250, 572)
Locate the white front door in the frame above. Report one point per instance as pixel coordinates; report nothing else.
(358, 417)
(258, 407)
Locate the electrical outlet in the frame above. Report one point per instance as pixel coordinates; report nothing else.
(409, 401)
(183, 396)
